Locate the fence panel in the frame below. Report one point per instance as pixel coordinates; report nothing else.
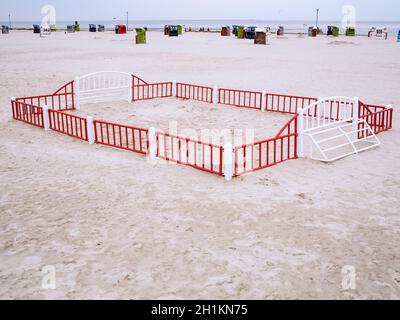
(380, 121)
(240, 98)
(194, 92)
(286, 103)
(263, 154)
(379, 118)
(136, 81)
(152, 91)
(62, 99)
(122, 136)
(199, 155)
(73, 126)
(27, 113)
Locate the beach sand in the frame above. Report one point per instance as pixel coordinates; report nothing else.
(116, 226)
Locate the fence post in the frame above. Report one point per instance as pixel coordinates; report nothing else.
(13, 100)
(228, 161)
(77, 94)
(90, 130)
(355, 127)
(300, 144)
(264, 101)
(389, 119)
(46, 119)
(215, 95)
(174, 89)
(152, 143)
(132, 87)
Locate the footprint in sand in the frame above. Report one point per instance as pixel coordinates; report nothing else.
(304, 197)
(268, 182)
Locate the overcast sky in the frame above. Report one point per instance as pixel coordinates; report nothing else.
(367, 10)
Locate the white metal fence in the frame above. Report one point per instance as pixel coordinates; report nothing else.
(103, 86)
(326, 112)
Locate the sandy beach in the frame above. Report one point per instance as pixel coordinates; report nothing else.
(116, 226)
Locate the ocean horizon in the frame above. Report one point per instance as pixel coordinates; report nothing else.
(291, 26)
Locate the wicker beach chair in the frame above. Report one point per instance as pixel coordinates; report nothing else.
(260, 36)
(36, 28)
(92, 28)
(5, 29)
(120, 29)
(140, 35)
(281, 31)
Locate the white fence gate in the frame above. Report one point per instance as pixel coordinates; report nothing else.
(332, 129)
(103, 86)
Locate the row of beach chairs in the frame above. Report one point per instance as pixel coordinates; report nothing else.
(241, 32)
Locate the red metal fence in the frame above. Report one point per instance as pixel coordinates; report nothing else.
(122, 136)
(136, 81)
(62, 99)
(27, 113)
(203, 156)
(286, 103)
(194, 92)
(263, 154)
(240, 98)
(68, 124)
(379, 118)
(152, 91)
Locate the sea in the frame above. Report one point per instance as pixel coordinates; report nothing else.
(362, 27)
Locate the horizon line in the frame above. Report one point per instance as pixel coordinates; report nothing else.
(204, 19)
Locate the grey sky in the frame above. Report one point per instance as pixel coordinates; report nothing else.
(367, 10)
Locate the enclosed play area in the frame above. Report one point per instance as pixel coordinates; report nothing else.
(324, 129)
